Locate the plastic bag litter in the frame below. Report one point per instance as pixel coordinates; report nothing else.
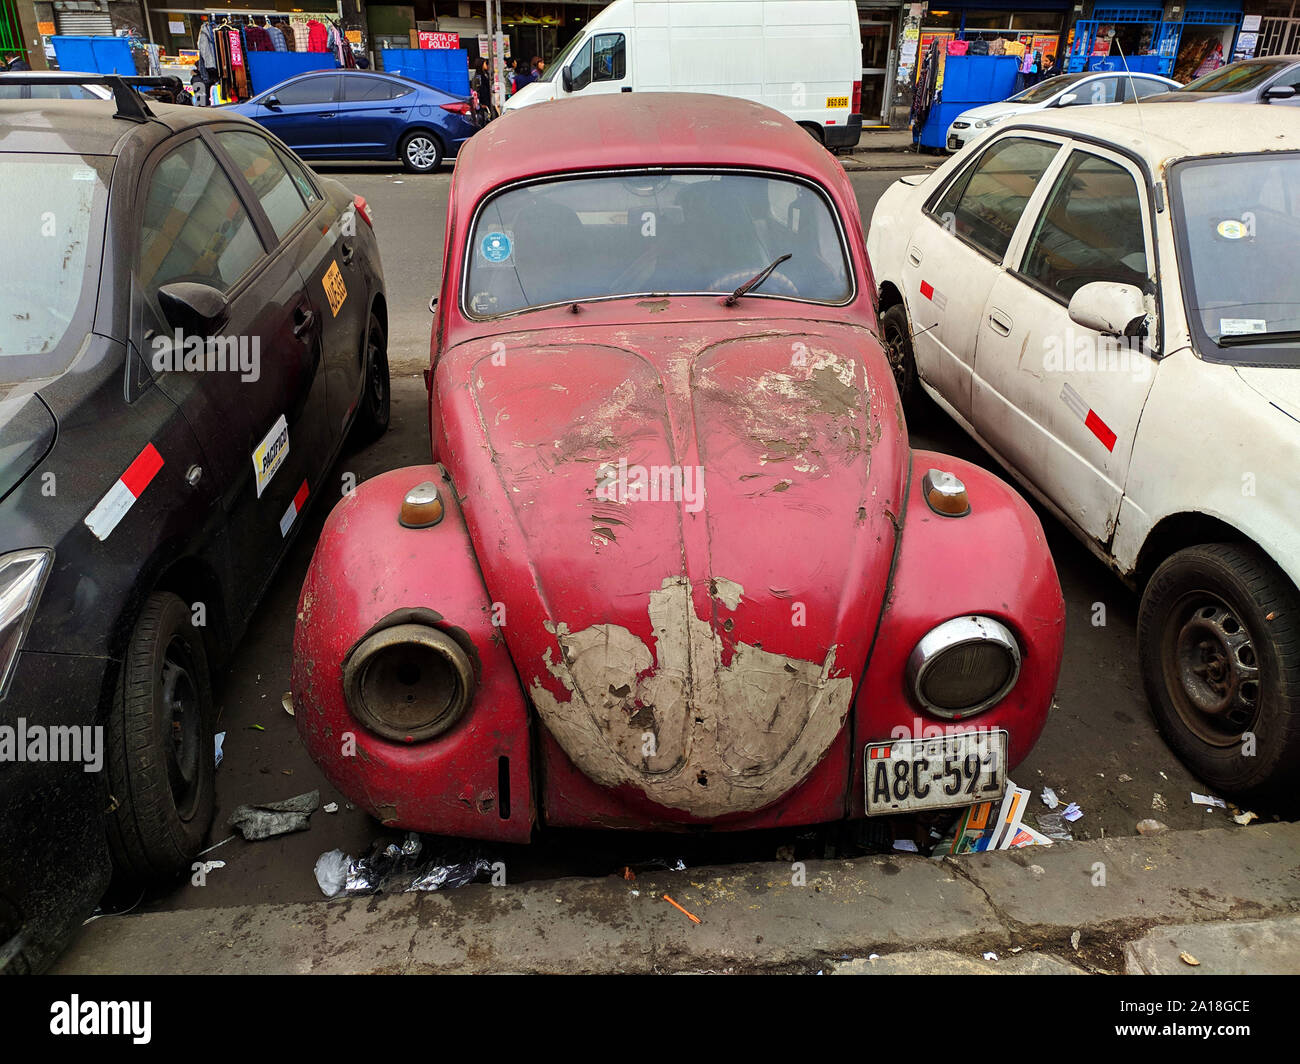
(270, 819)
(397, 868)
(1053, 825)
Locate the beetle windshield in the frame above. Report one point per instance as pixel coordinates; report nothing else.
(49, 273)
(640, 234)
(1237, 220)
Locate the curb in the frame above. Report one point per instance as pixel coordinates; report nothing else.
(753, 917)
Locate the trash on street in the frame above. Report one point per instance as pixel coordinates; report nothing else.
(266, 821)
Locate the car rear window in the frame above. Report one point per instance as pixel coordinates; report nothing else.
(626, 233)
(53, 233)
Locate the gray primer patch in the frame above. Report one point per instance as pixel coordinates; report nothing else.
(722, 739)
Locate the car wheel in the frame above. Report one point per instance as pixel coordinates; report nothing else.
(896, 333)
(373, 413)
(420, 152)
(161, 758)
(1219, 645)
(814, 131)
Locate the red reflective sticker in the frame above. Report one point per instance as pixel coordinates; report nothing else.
(142, 470)
(1100, 429)
(927, 289)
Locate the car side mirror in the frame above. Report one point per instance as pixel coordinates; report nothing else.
(196, 309)
(567, 78)
(1279, 92)
(271, 103)
(1068, 99)
(433, 304)
(1109, 308)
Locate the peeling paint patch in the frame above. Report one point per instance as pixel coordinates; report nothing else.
(726, 591)
(688, 732)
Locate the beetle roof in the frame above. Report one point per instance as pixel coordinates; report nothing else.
(1161, 133)
(645, 129)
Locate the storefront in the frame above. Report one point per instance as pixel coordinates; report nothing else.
(879, 23)
(1179, 43)
(1278, 28)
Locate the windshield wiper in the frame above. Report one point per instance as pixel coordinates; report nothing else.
(1280, 336)
(755, 281)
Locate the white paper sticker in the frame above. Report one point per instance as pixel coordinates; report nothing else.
(271, 453)
(1241, 326)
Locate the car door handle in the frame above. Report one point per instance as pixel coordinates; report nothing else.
(397, 110)
(626, 88)
(330, 115)
(346, 252)
(914, 256)
(1000, 322)
(302, 320)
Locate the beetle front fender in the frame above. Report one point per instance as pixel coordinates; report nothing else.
(473, 780)
(995, 561)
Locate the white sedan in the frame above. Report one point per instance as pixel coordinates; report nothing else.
(1065, 90)
(1107, 301)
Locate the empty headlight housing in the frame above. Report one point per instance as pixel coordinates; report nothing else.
(22, 576)
(963, 666)
(409, 682)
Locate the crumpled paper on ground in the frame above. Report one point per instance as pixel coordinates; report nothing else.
(398, 869)
(269, 819)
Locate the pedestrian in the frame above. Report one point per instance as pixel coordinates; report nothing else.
(17, 62)
(539, 67)
(1049, 68)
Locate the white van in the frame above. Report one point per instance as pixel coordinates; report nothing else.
(801, 57)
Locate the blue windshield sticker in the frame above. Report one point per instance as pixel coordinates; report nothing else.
(495, 247)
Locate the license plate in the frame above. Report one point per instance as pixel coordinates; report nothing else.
(953, 142)
(940, 773)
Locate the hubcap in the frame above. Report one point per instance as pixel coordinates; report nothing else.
(180, 708)
(1210, 655)
(422, 152)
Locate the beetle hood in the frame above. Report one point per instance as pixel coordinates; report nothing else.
(689, 530)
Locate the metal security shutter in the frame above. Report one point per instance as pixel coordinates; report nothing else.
(84, 23)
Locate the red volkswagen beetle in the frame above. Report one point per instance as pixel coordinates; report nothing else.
(674, 562)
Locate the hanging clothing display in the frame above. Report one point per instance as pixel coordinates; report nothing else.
(998, 46)
(277, 38)
(258, 39)
(300, 36)
(958, 47)
(317, 38)
(924, 94)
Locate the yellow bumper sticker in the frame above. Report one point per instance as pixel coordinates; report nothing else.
(834, 102)
(335, 290)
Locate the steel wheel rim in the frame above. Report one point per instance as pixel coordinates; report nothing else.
(421, 152)
(374, 356)
(182, 714)
(896, 353)
(1211, 668)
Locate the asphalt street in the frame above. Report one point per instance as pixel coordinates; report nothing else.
(1100, 748)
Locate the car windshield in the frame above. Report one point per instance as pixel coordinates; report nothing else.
(555, 64)
(52, 230)
(623, 234)
(1045, 90)
(1237, 220)
(1237, 77)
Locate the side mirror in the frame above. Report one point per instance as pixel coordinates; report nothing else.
(1068, 99)
(1109, 308)
(433, 304)
(196, 309)
(1279, 92)
(567, 78)
(271, 103)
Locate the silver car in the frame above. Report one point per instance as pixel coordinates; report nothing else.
(1274, 79)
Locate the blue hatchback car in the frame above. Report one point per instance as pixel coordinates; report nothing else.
(353, 114)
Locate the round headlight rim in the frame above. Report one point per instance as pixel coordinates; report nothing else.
(357, 666)
(951, 635)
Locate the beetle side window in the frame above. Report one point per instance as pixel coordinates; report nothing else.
(262, 169)
(195, 227)
(1090, 229)
(984, 205)
(609, 58)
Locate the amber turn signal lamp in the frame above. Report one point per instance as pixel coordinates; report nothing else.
(421, 507)
(945, 494)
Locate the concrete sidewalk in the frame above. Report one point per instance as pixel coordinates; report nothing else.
(1135, 904)
(888, 150)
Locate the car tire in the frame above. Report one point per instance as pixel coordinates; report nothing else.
(374, 410)
(815, 131)
(421, 152)
(896, 335)
(1219, 647)
(161, 758)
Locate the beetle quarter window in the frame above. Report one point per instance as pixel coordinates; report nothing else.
(1090, 230)
(195, 227)
(275, 189)
(984, 205)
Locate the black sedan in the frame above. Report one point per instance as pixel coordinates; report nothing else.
(193, 323)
